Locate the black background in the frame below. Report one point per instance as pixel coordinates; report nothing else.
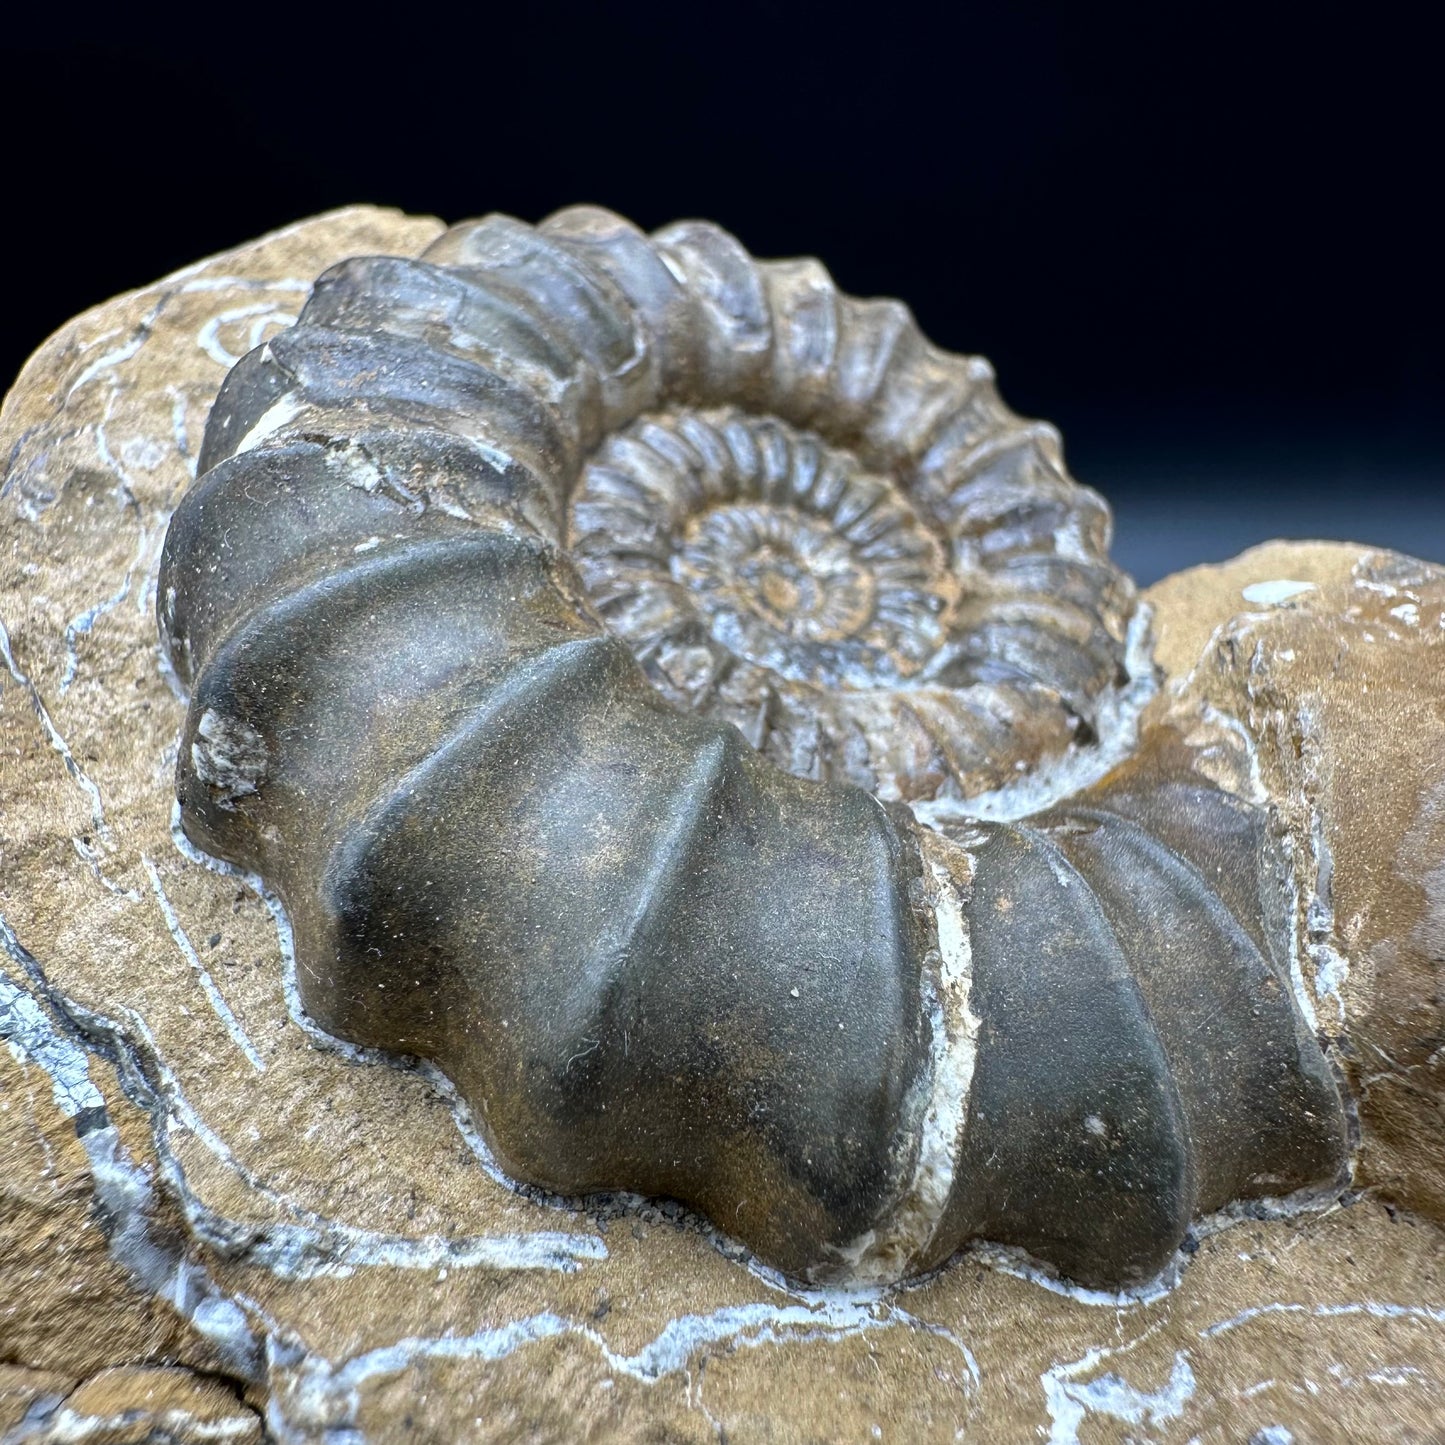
(1204, 244)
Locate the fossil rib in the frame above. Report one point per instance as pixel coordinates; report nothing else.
(571, 616)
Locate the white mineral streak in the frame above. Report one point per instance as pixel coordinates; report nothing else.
(29, 1034)
(316, 1247)
(54, 738)
(68, 1427)
(264, 318)
(311, 1398)
(83, 622)
(123, 1190)
(1010, 1260)
(148, 538)
(897, 1243)
(327, 1396)
(180, 438)
(1419, 1314)
(248, 1339)
(1069, 1398)
(308, 1391)
(90, 852)
(335, 1249)
(214, 996)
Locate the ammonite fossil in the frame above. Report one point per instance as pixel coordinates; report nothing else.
(599, 640)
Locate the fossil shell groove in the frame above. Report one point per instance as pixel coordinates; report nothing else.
(569, 616)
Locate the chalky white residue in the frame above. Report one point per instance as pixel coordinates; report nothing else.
(1221, 743)
(229, 756)
(1271, 594)
(1302, 994)
(1116, 725)
(1331, 967)
(896, 1245)
(280, 413)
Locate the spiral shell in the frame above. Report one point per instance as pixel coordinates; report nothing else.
(570, 616)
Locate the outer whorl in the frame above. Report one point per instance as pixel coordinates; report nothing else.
(570, 616)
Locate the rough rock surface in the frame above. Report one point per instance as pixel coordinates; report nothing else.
(217, 1224)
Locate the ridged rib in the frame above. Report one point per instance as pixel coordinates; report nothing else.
(730, 327)
(803, 305)
(597, 316)
(322, 673)
(621, 252)
(1239, 1078)
(1072, 1101)
(494, 324)
(256, 526)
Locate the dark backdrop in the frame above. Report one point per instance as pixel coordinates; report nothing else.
(1204, 245)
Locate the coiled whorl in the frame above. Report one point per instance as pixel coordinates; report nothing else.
(864, 560)
(942, 611)
(570, 615)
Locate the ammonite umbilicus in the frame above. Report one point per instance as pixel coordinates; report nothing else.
(579, 624)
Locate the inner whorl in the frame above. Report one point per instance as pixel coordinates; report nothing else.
(806, 520)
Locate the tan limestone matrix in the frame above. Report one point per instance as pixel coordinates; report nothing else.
(201, 1187)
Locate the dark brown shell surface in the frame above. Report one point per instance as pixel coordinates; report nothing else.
(571, 617)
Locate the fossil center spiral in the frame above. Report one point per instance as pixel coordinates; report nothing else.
(763, 572)
(713, 541)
